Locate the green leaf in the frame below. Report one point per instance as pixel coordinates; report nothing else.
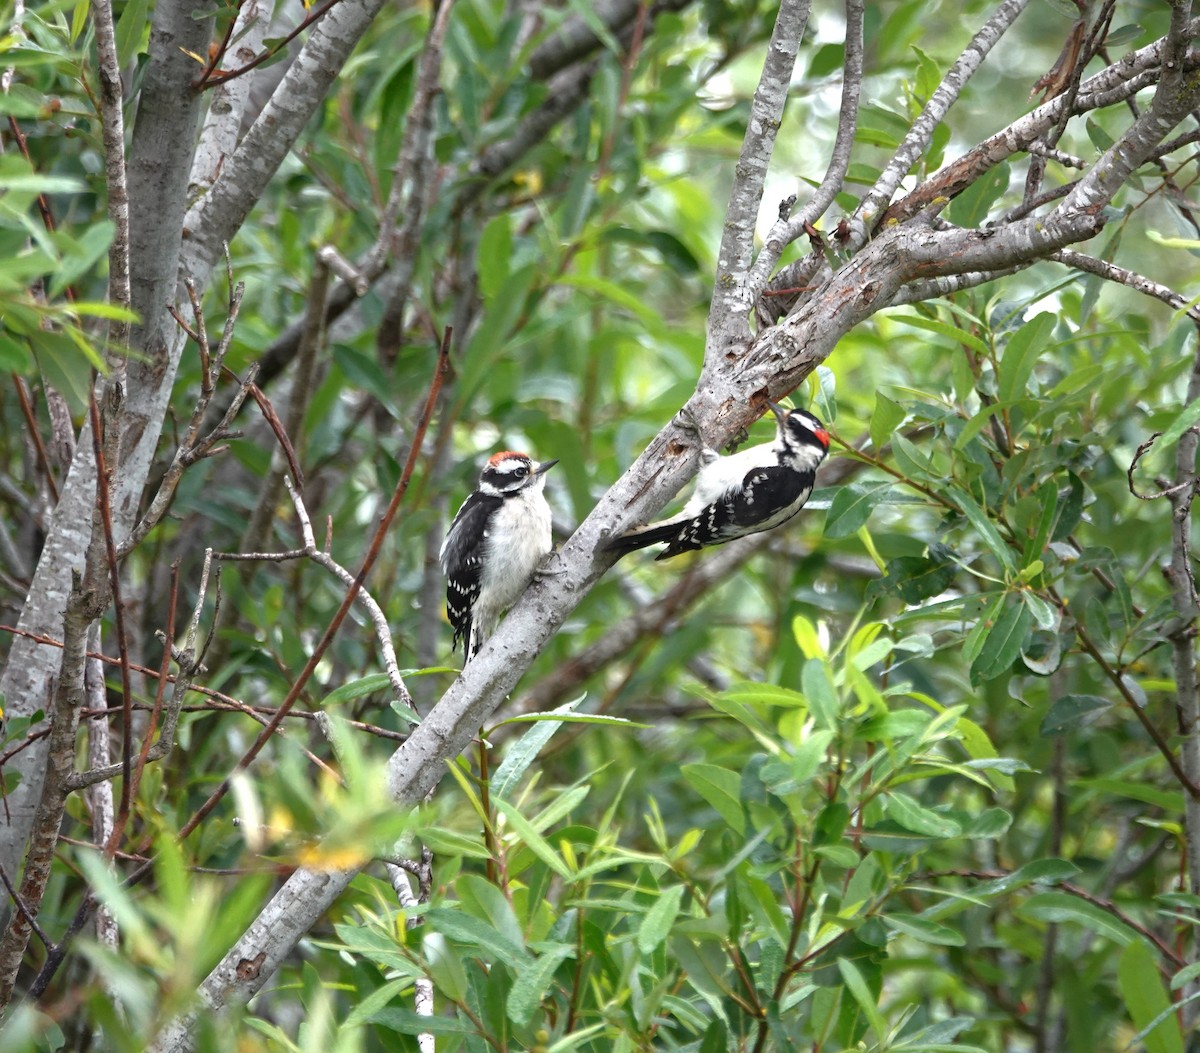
(990, 825)
(494, 255)
(924, 930)
(1149, 1007)
(970, 208)
(522, 753)
(15, 356)
(407, 1022)
(983, 527)
(1003, 642)
(819, 691)
(616, 294)
(1185, 419)
(446, 967)
(449, 844)
(376, 1000)
(863, 996)
(919, 819)
(131, 27)
(532, 839)
(64, 368)
(363, 372)
(953, 333)
(465, 928)
(1070, 712)
(1040, 871)
(657, 923)
(824, 400)
(1021, 354)
(1071, 506)
(1061, 907)
(1048, 496)
(532, 983)
(749, 692)
(852, 506)
(910, 460)
(885, 419)
(1171, 801)
(355, 689)
(915, 578)
(721, 788)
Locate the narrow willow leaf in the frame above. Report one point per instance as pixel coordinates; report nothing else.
(1061, 907)
(1003, 643)
(1071, 712)
(852, 506)
(924, 930)
(657, 923)
(532, 840)
(1188, 416)
(1040, 871)
(819, 691)
(532, 983)
(524, 751)
(1021, 355)
(857, 986)
(919, 819)
(721, 788)
(885, 419)
(984, 528)
(1146, 1000)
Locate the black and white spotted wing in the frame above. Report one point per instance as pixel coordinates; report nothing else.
(767, 497)
(462, 561)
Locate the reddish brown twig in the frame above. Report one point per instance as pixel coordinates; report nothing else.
(39, 448)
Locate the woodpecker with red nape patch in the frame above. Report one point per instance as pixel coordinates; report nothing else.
(747, 492)
(494, 547)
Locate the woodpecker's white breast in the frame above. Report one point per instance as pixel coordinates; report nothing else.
(517, 541)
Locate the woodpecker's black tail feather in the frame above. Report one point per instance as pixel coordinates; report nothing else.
(644, 537)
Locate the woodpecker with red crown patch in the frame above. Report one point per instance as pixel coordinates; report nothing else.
(494, 546)
(747, 492)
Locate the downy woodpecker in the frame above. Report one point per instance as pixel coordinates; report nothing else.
(744, 493)
(495, 545)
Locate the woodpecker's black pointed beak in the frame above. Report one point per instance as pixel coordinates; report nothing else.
(545, 466)
(779, 411)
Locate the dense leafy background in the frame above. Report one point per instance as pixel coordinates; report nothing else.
(882, 783)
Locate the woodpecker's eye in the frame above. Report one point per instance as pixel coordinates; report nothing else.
(522, 471)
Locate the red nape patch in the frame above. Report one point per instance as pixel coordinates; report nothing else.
(496, 458)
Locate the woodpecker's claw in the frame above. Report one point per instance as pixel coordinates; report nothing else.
(685, 419)
(547, 571)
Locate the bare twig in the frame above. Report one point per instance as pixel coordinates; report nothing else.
(188, 666)
(195, 447)
(733, 291)
(1122, 276)
(790, 227)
